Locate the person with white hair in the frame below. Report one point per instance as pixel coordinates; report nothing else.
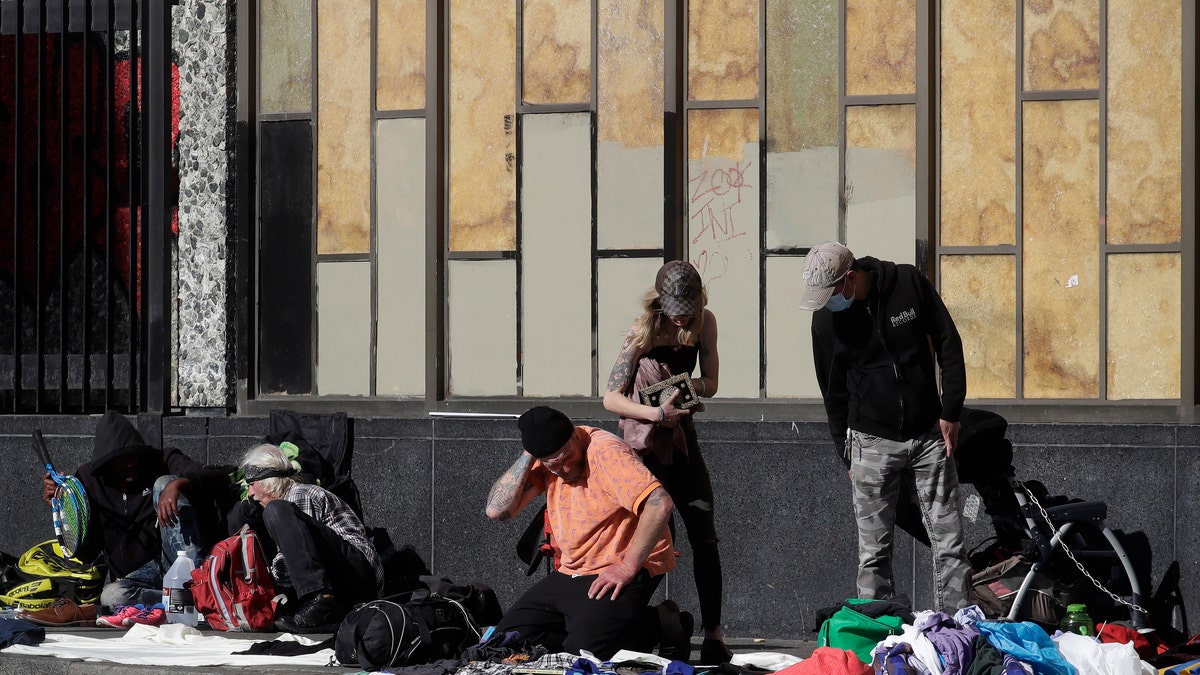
(322, 553)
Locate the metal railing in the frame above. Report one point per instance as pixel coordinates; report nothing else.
(81, 265)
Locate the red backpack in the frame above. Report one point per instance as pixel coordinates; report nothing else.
(233, 589)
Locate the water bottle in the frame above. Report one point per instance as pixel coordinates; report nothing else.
(1078, 621)
(176, 598)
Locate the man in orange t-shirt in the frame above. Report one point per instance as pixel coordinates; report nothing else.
(611, 543)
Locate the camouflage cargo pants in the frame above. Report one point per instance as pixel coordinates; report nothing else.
(877, 466)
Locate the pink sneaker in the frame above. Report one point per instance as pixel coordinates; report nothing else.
(154, 615)
(122, 615)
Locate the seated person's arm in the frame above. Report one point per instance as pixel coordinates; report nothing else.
(245, 512)
(199, 482)
(168, 500)
(652, 520)
(205, 481)
(513, 490)
(49, 487)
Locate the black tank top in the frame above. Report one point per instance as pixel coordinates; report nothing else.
(677, 359)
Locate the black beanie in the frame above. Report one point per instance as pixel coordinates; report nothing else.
(544, 431)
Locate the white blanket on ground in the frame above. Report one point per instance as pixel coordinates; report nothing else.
(766, 660)
(771, 661)
(167, 645)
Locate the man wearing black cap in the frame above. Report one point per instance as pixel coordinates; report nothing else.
(611, 544)
(882, 339)
(146, 504)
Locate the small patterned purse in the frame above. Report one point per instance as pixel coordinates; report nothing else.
(660, 392)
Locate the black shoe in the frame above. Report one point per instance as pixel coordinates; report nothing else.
(714, 652)
(675, 631)
(318, 615)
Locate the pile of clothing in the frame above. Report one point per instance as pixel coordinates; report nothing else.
(935, 643)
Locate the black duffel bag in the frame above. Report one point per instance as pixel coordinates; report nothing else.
(404, 630)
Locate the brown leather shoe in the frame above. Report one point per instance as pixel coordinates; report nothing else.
(64, 612)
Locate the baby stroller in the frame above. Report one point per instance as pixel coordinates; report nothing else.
(1057, 530)
(1047, 551)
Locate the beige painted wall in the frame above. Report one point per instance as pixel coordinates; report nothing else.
(790, 372)
(344, 328)
(802, 197)
(629, 189)
(556, 245)
(400, 225)
(621, 283)
(482, 322)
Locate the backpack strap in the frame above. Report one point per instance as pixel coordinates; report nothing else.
(423, 631)
(246, 539)
(243, 623)
(423, 626)
(216, 585)
(470, 620)
(395, 643)
(360, 625)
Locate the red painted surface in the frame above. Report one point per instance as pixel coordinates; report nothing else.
(62, 166)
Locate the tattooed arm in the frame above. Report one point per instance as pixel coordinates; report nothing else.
(623, 373)
(652, 520)
(513, 490)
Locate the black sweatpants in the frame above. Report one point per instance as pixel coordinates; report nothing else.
(317, 557)
(557, 613)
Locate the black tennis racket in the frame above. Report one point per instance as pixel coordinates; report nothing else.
(69, 506)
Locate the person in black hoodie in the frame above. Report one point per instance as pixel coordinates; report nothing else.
(146, 504)
(876, 331)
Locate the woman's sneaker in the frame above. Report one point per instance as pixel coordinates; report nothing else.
(154, 615)
(122, 615)
(714, 652)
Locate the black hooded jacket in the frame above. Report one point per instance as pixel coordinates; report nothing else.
(874, 361)
(123, 522)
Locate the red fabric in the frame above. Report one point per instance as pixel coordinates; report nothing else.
(828, 661)
(233, 589)
(59, 220)
(1147, 645)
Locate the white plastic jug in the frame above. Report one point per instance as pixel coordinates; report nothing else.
(176, 598)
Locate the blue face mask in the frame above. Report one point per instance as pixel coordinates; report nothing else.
(839, 301)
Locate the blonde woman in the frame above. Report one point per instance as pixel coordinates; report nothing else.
(674, 333)
(322, 551)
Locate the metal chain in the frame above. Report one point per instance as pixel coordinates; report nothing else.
(1095, 582)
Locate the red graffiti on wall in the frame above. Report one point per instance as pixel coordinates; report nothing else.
(714, 195)
(711, 265)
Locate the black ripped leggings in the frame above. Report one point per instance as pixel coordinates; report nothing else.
(686, 480)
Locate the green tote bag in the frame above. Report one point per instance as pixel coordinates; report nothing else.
(857, 632)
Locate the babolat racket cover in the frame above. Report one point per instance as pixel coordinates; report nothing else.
(69, 506)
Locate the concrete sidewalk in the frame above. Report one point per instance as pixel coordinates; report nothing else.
(20, 664)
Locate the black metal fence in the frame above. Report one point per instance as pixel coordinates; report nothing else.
(82, 242)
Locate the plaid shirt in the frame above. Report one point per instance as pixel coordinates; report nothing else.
(325, 508)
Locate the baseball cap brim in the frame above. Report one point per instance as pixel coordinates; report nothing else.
(815, 298)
